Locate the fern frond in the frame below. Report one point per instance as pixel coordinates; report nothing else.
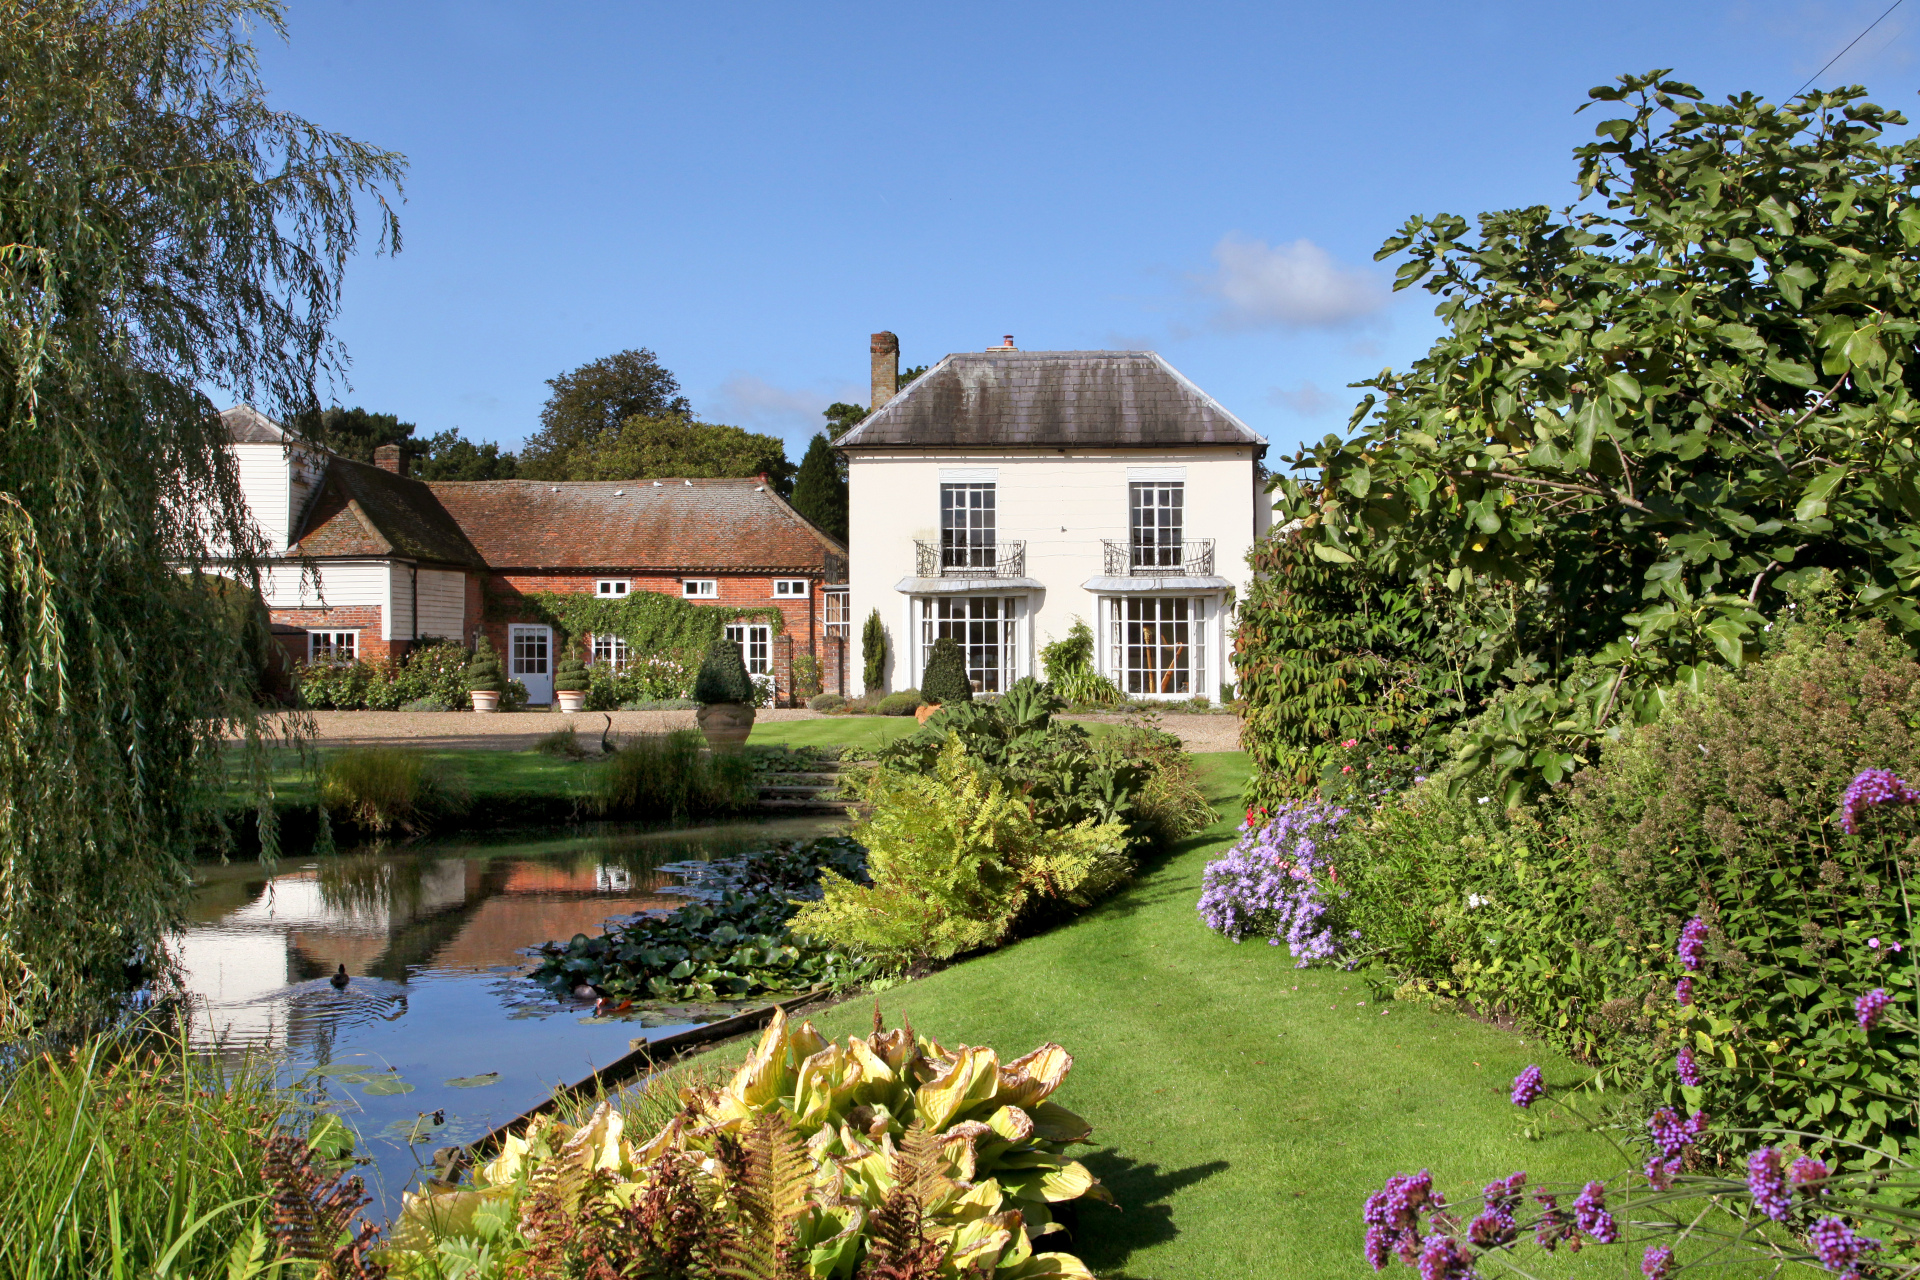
(771, 1177)
(899, 1247)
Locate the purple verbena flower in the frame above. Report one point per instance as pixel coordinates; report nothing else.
(1392, 1216)
(1555, 1224)
(1837, 1247)
(1657, 1263)
(1503, 1194)
(1661, 1173)
(1527, 1087)
(1591, 1216)
(1379, 1246)
(1444, 1258)
(1869, 788)
(1672, 1134)
(1492, 1229)
(1693, 943)
(1686, 1068)
(1870, 1006)
(1277, 883)
(1809, 1176)
(1683, 993)
(1768, 1185)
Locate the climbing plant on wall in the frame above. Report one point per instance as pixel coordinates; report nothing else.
(647, 620)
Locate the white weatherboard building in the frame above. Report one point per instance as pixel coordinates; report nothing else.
(1004, 493)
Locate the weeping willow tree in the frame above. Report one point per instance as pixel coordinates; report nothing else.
(164, 235)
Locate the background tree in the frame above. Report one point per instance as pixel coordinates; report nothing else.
(354, 433)
(820, 488)
(164, 230)
(589, 405)
(650, 448)
(447, 455)
(842, 418)
(1653, 415)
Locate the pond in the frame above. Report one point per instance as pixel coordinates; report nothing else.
(436, 1038)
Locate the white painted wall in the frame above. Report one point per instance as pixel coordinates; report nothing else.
(277, 483)
(349, 582)
(396, 619)
(443, 603)
(1062, 507)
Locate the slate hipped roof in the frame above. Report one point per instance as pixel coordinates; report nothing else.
(1052, 399)
(670, 525)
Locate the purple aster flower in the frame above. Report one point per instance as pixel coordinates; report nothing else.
(1661, 1173)
(1768, 1185)
(1672, 1134)
(1590, 1213)
(1658, 1263)
(1277, 883)
(1872, 787)
(1808, 1176)
(1683, 993)
(1685, 1067)
(1837, 1247)
(1527, 1087)
(1693, 943)
(1870, 1006)
(1444, 1258)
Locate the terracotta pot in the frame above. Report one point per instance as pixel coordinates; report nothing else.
(921, 713)
(571, 699)
(484, 699)
(726, 724)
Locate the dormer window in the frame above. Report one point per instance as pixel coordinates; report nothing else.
(700, 588)
(613, 588)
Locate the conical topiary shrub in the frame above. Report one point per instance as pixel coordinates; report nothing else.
(723, 677)
(484, 672)
(571, 677)
(945, 680)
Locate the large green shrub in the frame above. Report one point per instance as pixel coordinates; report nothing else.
(1068, 663)
(873, 651)
(945, 680)
(957, 858)
(723, 676)
(653, 678)
(1565, 916)
(903, 703)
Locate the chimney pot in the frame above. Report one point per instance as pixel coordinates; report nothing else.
(1008, 344)
(387, 457)
(886, 369)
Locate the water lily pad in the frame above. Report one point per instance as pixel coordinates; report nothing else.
(474, 1082)
(386, 1086)
(342, 1070)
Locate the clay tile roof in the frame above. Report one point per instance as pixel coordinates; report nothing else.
(361, 510)
(670, 525)
(1081, 399)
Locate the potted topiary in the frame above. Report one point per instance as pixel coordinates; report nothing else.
(570, 683)
(725, 694)
(486, 679)
(945, 679)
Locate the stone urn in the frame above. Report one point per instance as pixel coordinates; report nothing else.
(571, 699)
(485, 699)
(726, 724)
(921, 713)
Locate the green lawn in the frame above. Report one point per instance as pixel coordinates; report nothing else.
(489, 775)
(1243, 1109)
(835, 731)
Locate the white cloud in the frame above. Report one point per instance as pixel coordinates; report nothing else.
(1307, 399)
(750, 401)
(1288, 286)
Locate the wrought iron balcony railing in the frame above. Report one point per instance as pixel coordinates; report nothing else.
(970, 560)
(1160, 560)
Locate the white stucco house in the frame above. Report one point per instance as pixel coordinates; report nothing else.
(1004, 493)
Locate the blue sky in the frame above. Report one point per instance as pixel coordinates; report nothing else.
(752, 189)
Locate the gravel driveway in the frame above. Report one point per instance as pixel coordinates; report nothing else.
(516, 731)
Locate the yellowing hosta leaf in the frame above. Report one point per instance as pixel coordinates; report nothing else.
(1054, 1123)
(969, 1078)
(1011, 1123)
(1048, 1266)
(1029, 1078)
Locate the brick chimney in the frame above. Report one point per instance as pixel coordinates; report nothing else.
(886, 369)
(387, 457)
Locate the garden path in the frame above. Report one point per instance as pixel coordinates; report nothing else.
(1242, 1109)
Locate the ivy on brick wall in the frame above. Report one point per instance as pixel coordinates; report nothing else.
(648, 621)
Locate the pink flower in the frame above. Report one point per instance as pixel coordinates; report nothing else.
(1346, 768)
(1351, 743)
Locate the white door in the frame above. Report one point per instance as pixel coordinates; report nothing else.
(531, 660)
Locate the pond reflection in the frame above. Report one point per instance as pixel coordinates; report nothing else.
(432, 936)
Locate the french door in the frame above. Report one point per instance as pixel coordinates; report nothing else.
(530, 660)
(1157, 644)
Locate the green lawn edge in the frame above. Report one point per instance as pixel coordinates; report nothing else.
(1243, 1109)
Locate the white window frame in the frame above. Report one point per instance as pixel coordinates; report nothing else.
(609, 650)
(613, 588)
(792, 588)
(1202, 611)
(700, 588)
(838, 614)
(331, 647)
(756, 646)
(930, 625)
